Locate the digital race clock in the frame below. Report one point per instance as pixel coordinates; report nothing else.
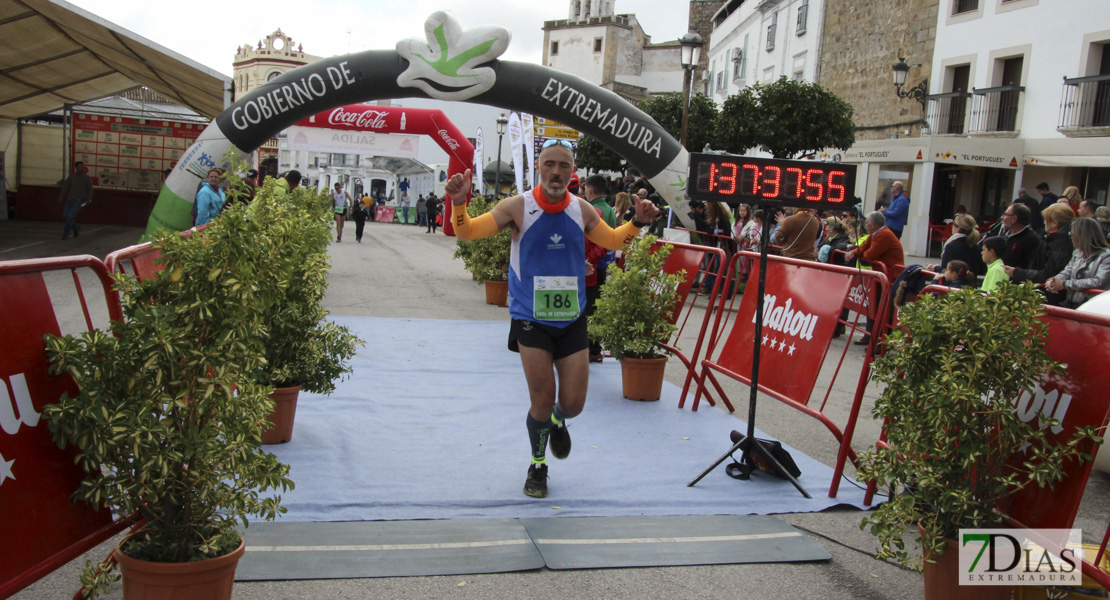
(771, 181)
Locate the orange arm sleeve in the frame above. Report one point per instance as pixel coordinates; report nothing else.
(472, 229)
(613, 239)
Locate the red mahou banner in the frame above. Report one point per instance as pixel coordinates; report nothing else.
(800, 311)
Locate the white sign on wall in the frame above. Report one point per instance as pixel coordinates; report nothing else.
(352, 142)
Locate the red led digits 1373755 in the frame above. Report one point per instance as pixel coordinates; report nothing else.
(771, 181)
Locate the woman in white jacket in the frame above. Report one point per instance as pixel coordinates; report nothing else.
(1089, 267)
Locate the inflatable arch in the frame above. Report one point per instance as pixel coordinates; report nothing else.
(398, 119)
(451, 64)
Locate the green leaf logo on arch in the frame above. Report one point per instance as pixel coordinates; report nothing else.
(444, 67)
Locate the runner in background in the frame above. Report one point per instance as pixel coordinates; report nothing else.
(340, 202)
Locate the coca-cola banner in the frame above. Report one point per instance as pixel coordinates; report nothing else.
(447, 63)
(863, 298)
(352, 142)
(800, 310)
(360, 117)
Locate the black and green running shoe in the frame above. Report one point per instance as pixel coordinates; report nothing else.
(536, 484)
(559, 440)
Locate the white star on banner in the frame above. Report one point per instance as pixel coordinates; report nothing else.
(791, 353)
(782, 345)
(6, 469)
(764, 341)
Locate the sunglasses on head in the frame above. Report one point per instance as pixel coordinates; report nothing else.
(564, 143)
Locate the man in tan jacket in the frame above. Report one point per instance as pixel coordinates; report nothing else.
(798, 233)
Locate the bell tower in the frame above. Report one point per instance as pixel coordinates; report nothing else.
(584, 10)
(272, 56)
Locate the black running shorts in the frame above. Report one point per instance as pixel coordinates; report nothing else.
(560, 341)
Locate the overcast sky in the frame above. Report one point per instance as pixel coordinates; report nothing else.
(209, 31)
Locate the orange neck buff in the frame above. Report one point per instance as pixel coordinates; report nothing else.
(546, 205)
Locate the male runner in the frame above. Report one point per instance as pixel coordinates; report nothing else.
(547, 290)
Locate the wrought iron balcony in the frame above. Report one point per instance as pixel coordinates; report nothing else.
(1085, 106)
(995, 110)
(803, 14)
(947, 113)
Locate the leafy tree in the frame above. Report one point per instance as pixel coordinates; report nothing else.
(595, 156)
(666, 109)
(787, 118)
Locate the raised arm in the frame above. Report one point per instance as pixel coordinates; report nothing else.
(601, 234)
(481, 226)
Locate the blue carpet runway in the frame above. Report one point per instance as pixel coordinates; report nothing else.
(431, 426)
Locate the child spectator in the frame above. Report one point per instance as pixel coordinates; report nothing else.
(957, 274)
(993, 249)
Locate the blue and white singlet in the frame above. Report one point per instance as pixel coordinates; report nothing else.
(551, 247)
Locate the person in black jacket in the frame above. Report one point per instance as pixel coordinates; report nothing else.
(433, 209)
(359, 213)
(1035, 219)
(1047, 197)
(1052, 255)
(1021, 241)
(962, 246)
(715, 224)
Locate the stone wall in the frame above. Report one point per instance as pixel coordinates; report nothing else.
(701, 21)
(861, 41)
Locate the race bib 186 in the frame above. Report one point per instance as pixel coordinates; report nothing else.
(555, 298)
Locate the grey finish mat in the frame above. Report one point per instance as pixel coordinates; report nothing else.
(608, 542)
(337, 550)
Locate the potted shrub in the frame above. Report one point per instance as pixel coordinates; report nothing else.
(167, 420)
(301, 348)
(487, 259)
(953, 373)
(633, 317)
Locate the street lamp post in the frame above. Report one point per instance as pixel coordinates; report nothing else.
(920, 92)
(691, 44)
(502, 122)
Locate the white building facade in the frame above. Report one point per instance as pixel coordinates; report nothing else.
(1018, 94)
(1037, 71)
(612, 51)
(760, 41)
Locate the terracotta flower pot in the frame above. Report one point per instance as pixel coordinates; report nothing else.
(642, 378)
(942, 578)
(285, 410)
(211, 579)
(497, 292)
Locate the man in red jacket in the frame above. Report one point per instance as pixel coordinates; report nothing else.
(881, 246)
